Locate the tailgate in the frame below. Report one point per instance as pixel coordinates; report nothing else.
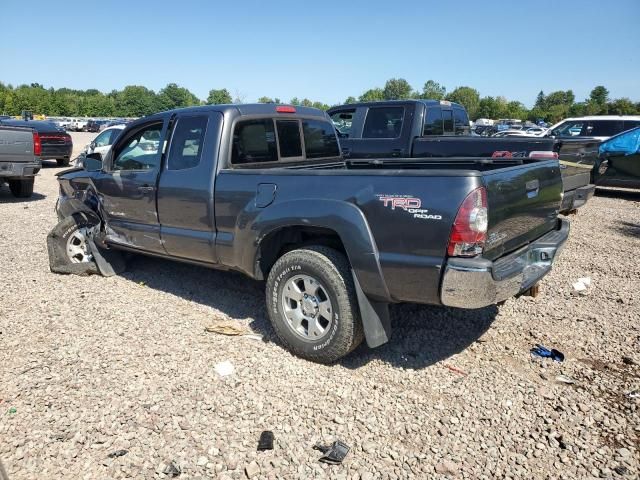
(16, 144)
(523, 205)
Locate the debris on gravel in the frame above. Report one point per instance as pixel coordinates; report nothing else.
(94, 365)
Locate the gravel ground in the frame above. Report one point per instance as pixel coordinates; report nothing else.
(91, 366)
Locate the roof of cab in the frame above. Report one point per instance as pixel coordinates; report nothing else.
(246, 109)
(428, 103)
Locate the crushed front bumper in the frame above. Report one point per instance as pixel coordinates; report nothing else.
(19, 169)
(477, 282)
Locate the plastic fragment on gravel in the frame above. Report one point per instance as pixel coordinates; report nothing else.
(334, 454)
(172, 470)
(225, 368)
(581, 286)
(565, 379)
(118, 453)
(228, 327)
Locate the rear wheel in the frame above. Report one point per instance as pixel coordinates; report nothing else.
(62, 162)
(21, 188)
(313, 305)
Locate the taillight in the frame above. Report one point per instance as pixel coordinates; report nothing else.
(285, 109)
(544, 154)
(469, 230)
(37, 146)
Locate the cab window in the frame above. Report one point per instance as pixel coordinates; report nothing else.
(447, 120)
(289, 138)
(187, 143)
(140, 151)
(383, 122)
(254, 141)
(433, 122)
(461, 121)
(343, 122)
(319, 139)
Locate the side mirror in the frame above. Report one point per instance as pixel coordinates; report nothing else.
(93, 162)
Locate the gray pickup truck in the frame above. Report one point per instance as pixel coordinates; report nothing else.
(19, 159)
(264, 190)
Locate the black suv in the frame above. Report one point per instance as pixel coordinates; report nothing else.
(92, 126)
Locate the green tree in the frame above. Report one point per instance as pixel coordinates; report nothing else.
(218, 97)
(468, 97)
(516, 110)
(350, 100)
(136, 101)
(622, 106)
(490, 107)
(266, 100)
(541, 101)
(432, 90)
(599, 96)
(396, 89)
(172, 96)
(372, 95)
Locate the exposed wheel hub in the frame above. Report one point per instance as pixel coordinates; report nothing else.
(77, 247)
(310, 305)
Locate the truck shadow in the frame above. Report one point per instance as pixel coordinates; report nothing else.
(618, 193)
(627, 228)
(7, 197)
(422, 335)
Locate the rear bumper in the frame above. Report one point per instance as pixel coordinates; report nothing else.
(477, 282)
(19, 169)
(576, 198)
(56, 151)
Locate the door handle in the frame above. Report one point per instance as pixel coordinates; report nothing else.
(146, 188)
(346, 152)
(396, 152)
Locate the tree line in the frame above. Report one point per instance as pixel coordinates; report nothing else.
(137, 101)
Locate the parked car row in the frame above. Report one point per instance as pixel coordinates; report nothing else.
(85, 124)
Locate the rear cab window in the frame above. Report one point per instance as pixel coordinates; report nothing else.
(270, 140)
(383, 122)
(447, 121)
(433, 122)
(461, 121)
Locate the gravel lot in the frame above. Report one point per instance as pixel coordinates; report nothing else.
(93, 365)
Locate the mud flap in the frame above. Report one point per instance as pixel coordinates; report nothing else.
(375, 317)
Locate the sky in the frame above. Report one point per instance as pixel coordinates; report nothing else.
(325, 50)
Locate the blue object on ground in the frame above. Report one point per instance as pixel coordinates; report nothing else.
(544, 352)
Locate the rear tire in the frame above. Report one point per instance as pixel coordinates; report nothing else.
(21, 188)
(313, 305)
(62, 162)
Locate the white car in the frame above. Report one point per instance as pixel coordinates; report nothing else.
(77, 124)
(600, 127)
(102, 143)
